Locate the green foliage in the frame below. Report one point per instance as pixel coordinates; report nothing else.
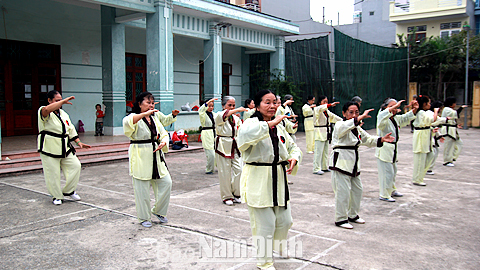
(280, 84)
(439, 60)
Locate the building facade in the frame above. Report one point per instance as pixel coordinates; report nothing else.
(371, 23)
(431, 17)
(109, 51)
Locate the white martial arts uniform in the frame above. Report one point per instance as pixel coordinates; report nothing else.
(344, 161)
(264, 185)
(56, 132)
(453, 144)
(208, 136)
(287, 110)
(423, 144)
(387, 154)
(228, 159)
(248, 113)
(148, 168)
(323, 119)
(308, 125)
(166, 120)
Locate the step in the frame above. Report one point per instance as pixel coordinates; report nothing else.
(34, 153)
(34, 164)
(34, 160)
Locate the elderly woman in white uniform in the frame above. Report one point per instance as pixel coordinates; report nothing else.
(323, 120)
(207, 120)
(453, 144)
(344, 162)
(423, 153)
(56, 131)
(148, 142)
(227, 154)
(307, 111)
(388, 122)
(269, 154)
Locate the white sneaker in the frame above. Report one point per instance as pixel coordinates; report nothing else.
(310, 152)
(420, 184)
(319, 172)
(146, 224)
(449, 164)
(57, 201)
(397, 194)
(346, 226)
(358, 220)
(430, 173)
(237, 200)
(75, 197)
(386, 199)
(228, 202)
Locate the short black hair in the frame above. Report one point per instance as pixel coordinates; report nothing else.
(320, 98)
(450, 101)
(247, 102)
(310, 97)
(98, 105)
(142, 96)
(348, 104)
(422, 99)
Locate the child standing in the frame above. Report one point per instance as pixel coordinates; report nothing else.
(99, 122)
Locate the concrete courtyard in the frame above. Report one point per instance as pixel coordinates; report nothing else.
(432, 227)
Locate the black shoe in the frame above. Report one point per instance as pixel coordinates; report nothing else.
(96, 134)
(102, 134)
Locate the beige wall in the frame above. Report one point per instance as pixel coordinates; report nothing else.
(433, 27)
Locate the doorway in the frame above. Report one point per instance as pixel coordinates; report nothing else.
(27, 72)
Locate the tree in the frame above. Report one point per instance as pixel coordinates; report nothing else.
(279, 84)
(439, 60)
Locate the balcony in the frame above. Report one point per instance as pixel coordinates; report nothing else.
(409, 10)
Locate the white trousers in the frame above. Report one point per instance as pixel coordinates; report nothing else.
(71, 168)
(451, 149)
(421, 163)
(229, 172)
(435, 156)
(348, 194)
(310, 137)
(270, 227)
(210, 160)
(320, 158)
(161, 189)
(386, 178)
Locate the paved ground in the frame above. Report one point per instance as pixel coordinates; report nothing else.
(432, 227)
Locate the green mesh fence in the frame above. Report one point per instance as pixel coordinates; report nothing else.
(307, 65)
(369, 71)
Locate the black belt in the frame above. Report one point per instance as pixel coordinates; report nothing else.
(234, 146)
(420, 128)
(153, 142)
(275, 179)
(57, 135)
(329, 131)
(308, 116)
(351, 147)
(205, 128)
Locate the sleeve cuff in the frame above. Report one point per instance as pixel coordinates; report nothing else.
(379, 142)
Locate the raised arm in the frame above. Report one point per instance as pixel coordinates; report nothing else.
(55, 106)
